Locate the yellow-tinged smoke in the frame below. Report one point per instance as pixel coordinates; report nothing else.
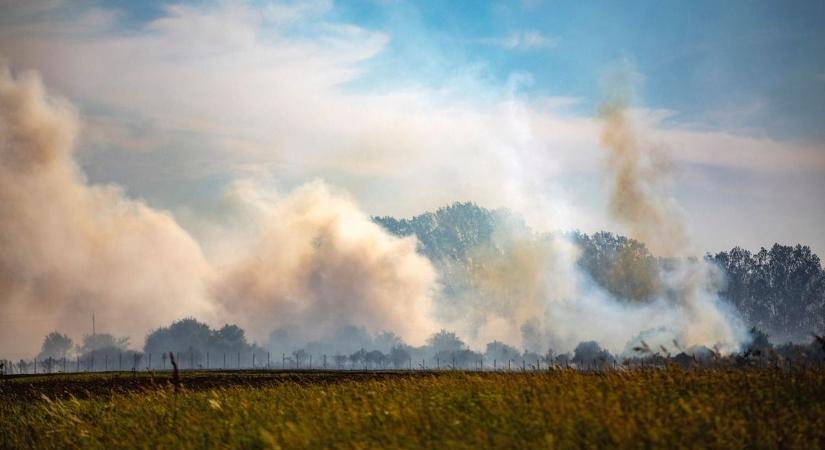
(638, 201)
(318, 263)
(68, 248)
(637, 198)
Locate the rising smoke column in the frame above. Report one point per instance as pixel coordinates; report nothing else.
(638, 201)
(317, 263)
(68, 249)
(531, 292)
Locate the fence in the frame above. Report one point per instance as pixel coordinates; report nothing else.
(263, 361)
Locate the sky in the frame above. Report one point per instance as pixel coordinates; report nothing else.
(408, 106)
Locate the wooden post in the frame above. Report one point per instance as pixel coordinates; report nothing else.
(283, 361)
(253, 359)
(267, 360)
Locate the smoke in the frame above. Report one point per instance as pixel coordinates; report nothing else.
(313, 262)
(531, 292)
(69, 249)
(638, 201)
(317, 264)
(637, 171)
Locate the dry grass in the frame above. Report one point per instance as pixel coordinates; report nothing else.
(754, 408)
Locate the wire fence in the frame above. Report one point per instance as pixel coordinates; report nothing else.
(264, 361)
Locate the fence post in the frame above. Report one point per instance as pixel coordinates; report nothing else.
(283, 361)
(106, 362)
(267, 360)
(120, 361)
(310, 362)
(35, 366)
(253, 359)
(78, 364)
(207, 360)
(224, 362)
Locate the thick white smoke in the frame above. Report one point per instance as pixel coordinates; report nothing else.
(532, 293)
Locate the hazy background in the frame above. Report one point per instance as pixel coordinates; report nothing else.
(186, 133)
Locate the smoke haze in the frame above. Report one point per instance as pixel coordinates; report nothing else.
(309, 262)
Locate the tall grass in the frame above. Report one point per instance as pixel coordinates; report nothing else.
(754, 408)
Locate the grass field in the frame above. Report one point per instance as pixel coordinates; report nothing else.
(753, 408)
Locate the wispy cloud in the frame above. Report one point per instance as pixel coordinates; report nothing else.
(523, 40)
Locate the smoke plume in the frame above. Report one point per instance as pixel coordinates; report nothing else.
(638, 200)
(316, 264)
(530, 291)
(70, 249)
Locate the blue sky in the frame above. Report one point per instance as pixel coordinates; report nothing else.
(499, 100)
(758, 66)
(697, 57)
